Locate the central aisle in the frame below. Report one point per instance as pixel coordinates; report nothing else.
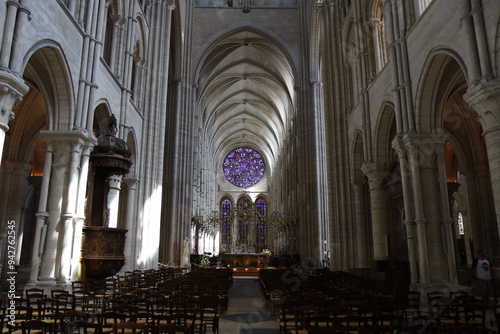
(247, 313)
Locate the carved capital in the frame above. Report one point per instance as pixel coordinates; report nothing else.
(375, 173)
(12, 89)
(420, 148)
(64, 143)
(484, 98)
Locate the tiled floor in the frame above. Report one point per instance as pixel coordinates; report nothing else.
(246, 313)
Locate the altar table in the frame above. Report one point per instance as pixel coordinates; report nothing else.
(260, 260)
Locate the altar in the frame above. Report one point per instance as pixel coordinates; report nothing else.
(245, 260)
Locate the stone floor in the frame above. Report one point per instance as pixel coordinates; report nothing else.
(246, 313)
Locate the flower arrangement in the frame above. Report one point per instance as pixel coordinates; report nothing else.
(205, 261)
(266, 251)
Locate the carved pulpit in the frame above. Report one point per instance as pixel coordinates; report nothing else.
(102, 242)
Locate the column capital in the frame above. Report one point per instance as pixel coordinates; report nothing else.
(12, 89)
(131, 182)
(420, 146)
(115, 181)
(484, 98)
(73, 140)
(375, 173)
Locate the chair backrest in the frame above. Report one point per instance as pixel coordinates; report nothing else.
(71, 316)
(82, 327)
(172, 329)
(111, 317)
(129, 327)
(37, 326)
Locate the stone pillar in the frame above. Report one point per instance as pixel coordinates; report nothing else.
(474, 205)
(446, 220)
(80, 209)
(409, 219)
(16, 58)
(118, 21)
(484, 98)
(15, 175)
(70, 212)
(113, 199)
(378, 199)
(41, 217)
(8, 33)
(470, 45)
(420, 220)
(130, 216)
(361, 242)
(375, 28)
(63, 189)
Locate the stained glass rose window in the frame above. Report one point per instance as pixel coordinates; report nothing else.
(244, 167)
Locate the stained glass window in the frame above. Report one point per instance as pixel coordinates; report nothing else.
(226, 222)
(260, 228)
(461, 224)
(244, 167)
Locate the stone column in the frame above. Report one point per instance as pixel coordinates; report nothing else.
(378, 199)
(474, 205)
(113, 199)
(56, 194)
(41, 217)
(130, 216)
(80, 209)
(409, 219)
(8, 33)
(118, 21)
(16, 58)
(446, 220)
(15, 176)
(470, 45)
(63, 181)
(420, 220)
(484, 98)
(70, 212)
(361, 242)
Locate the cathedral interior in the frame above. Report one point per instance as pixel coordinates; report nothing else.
(356, 136)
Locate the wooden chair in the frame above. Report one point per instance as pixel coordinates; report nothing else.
(209, 304)
(171, 329)
(36, 326)
(21, 313)
(129, 327)
(466, 329)
(70, 316)
(412, 304)
(35, 298)
(82, 327)
(109, 319)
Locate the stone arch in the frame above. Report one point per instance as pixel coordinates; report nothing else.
(46, 71)
(48, 105)
(442, 112)
(357, 157)
(443, 70)
(385, 132)
(131, 140)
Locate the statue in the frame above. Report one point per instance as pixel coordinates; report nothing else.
(185, 252)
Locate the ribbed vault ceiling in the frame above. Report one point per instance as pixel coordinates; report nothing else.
(246, 95)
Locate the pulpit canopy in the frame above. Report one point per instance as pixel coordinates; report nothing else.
(111, 153)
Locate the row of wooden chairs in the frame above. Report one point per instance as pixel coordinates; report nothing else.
(145, 297)
(344, 303)
(86, 327)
